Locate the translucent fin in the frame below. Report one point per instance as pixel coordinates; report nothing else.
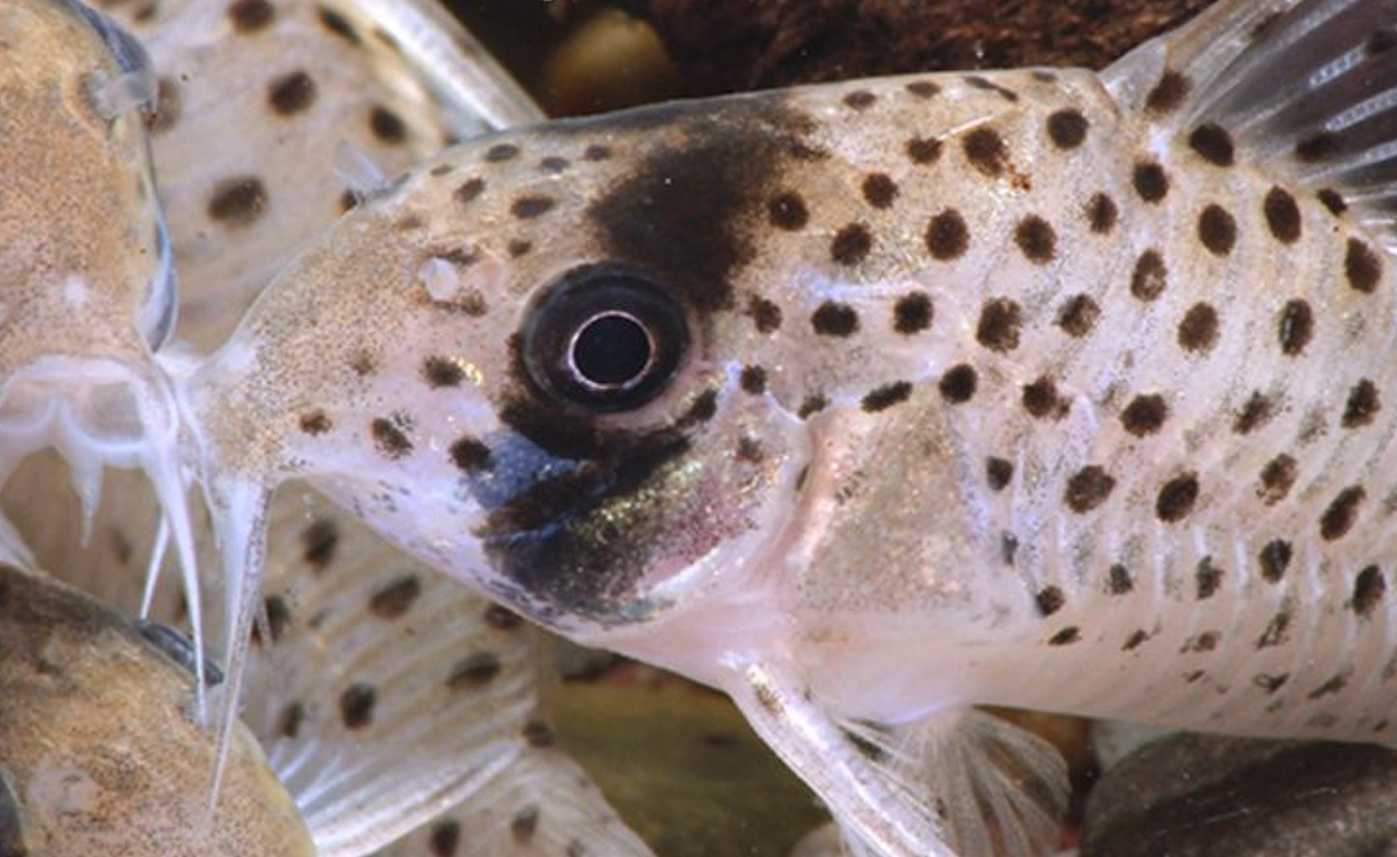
(1304, 89)
(1000, 790)
(85, 473)
(13, 550)
(157, 561)
(358, 171)
(163, 471)
(124, 92)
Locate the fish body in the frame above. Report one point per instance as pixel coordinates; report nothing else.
(873, 401)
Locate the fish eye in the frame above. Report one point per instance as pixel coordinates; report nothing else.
(605, 338)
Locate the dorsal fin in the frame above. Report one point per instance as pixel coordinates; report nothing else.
(1304, 89)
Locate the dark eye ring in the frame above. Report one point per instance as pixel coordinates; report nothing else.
(605, 338)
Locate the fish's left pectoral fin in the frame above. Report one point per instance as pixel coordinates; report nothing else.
(882, 814)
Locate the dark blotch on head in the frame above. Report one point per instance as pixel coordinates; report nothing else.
(1065, 636)
(441, 372)
(834, 319)
(529, 207)
(1078, 316)
(471, 455)
(291, 93)
(1102, 213)
(1362, 266)
(1088, 488)
(395, 599)
(985, 150)
(998, 472)
(390, 440)
(357, 705)
(753, 379)
(1277, 478)
(1168, 93)
(1257, 411)
(912, 313)
(879, 190)
(1212, 142)
(1049, 600)
(1176, 498)
(386, 125)
(1207, 577)
(1150, 180)
(1282, 215)
(1150, 276)
(1198, 332)
(1295, 327)
(249, 16)
(1217, 229)
(237, 201)
(886, 396)
(766, 316)
(1000, 322)
(851, 244)
(947, 236)
(1036, 239)
(1362, 405)
(1118, 580)
(957, 385)
(338, 25)
(1145, 414)
(1067, 128)
(787, 211)
(923, 150)
(319, 542)
(1368, 589)
(1275, 559)
(315, 422)
(1342, 513)
(473, 671)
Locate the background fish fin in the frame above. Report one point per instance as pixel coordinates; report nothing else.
(998, 789)
(1303, 89)
(383, 691)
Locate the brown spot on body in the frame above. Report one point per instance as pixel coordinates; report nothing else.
(1198, 332)
(523, 825)
(753, 379)
(1036, 239)
(357, 705)
(319, 543)
(923, 150)
(596, 152)
(237, 201)
(1168, 93)
(1256, 413)
(1333, 200)
(1208, 578)
(1342, 513)
(860, 99)
(553, 164)
(1041, 400)
(1332, 686)
(1148, 279)
(811, 406)
(502, 618)
(291, 93)
(1362, 406)
(1078, 315)
(1001, 319)
(984, 83)
(315, 422)
(1088, 488)
(440, 372)
(986, 152)
(1276, 631)
(1049, 600)
(1275, 559)
(999, 472)
(1177, 498)
(1102, 213)
(912, 313)
(391, 441)
(947, 236)
(1065, 637)
(1067, 128)
(469, 190)
(338, 25)
(834, 319)
(1317, 147)
(387, 126)
(289, 724)
(1270, 683)
(501, 152)
(529, 207)
(765, 315)
(1362, 266)
(879, 190)
(1204, 642)
(471, 456)
(1150, 181)
(1137, 637)
(1368, 589)
(519, 248)
(1295, 327)
(1282, 215)
(445, 838)
(1118, 580)
(278, 616)
(1217, 229)
(250, 16)
(787, 211)
(886, 396)
(165, 112)
(1212, 143)
(958, 384)
(474, 671)
(1277, 477)
(1145, 414)
(395, 599)
(851, 244)
(923, 88)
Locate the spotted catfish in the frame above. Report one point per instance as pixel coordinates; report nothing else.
(869, 402)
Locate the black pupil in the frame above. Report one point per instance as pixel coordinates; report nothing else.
(611, 350)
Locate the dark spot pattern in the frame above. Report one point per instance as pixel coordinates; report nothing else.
(1333, 200)
(986, 152)
(501, 152)
(291, 93)
(1282, 215)
(237, 201)
(1198, 332)
(440, 372)
(1270, 683)
(923, 150)
(1362, 266)
(1333, 685)
(319, 543)
(1204, 642)
(999, 472)
(523, 825)
(1065, 637)
(1078, 315)
(596, 152)
(879, 190)
(1001, 320)
(1102, 213)
(1368, 589)
(1149, 277)
(315, 422)
(1049, 600)
(1088, 488)
(502, 618)
(391, 441)
(1133, 642)
(338, 25)
(1207, 578)
(851, 244)
(250, 16)
(1150, 181)
(886, 396)
(469, 190)
(1168, 93)
(834, 319)
(474, 671)
(860, 99)
(1277, 478)
(1212, 143)
(947, 236)
(1067, 128)
(753, 379)
(1295, 327)
(1217, 229)
(1362, 406)
(958, 384)
(984, 83)
(529, 207)
(471, 456)
(1041, 399)
(1118, 581)
(445, 838)
(912, 313)
(553, 164)
(1036, 239)
(386, 125)
(811, 406)
(357, 705)
(1317, 147)
(1145, 414)
(1275, 559)
(1276, 631)
(396, 598)
(519, 248)
(289, 724)
(1342, 513)
(1255, 413)
(1177, 498)
(765, 315)
(165, 112)
(787, 211)
(923, 88)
